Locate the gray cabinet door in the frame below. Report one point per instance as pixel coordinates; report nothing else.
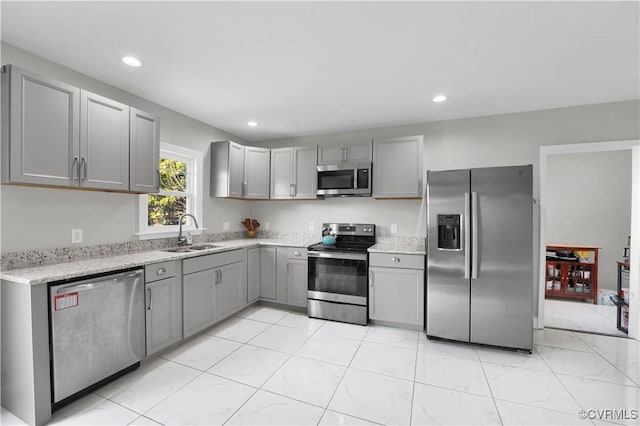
(199, 304)
(330, 154)
(236, 170)
(104, 143)
(305, 175)
(396, 295)
(144, 152)
(358, 152)
(253, 274)
(297, 283)
(282, 173)
(397, 168)
(231, 289)
(268, 273)
(256, 172)
(43, 142)
(163, 313)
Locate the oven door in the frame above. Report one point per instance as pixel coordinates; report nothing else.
(338, 277)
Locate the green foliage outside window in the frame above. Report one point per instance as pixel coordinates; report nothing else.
(165, 208)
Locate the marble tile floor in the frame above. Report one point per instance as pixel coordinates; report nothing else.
(271, 366)
(581, 316)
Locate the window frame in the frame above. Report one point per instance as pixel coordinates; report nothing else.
(194, 187)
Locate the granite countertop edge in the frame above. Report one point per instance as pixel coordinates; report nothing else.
(399, 248)
(76, 269)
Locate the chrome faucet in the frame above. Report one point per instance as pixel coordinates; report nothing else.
(183, 241)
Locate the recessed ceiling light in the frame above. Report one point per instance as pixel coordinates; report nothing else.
(252, 123)
(439, 98)
(132, 61)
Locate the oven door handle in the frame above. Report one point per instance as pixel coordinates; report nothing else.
(345, 256)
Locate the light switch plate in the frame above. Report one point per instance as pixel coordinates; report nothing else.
(267, 225)
(394, 228)
(225, 226)
(76, 236)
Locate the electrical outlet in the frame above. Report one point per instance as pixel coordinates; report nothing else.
(311, 226)
(76, 236)
(267, 225)
(394, 228)
(225, 226)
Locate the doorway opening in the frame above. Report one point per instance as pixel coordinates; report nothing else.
(587, 195)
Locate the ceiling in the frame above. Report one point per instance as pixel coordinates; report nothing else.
(301, 68)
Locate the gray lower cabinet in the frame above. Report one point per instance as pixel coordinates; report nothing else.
(397, 168)
(396, 288)
(268, 289)
(214, 287)
(163, 301)
(297, 277)
(58, 135)
(253, 274)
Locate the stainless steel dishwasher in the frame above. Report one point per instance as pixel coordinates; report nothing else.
(97, 332)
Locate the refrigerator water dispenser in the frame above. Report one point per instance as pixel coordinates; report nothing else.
(449, 231)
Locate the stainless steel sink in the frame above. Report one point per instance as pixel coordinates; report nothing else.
(189, 249)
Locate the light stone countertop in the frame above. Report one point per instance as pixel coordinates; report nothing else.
(80, 268)
(399, 248)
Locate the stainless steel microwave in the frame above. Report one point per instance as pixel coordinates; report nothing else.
(344, 179)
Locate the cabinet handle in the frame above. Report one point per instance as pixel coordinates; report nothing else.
(343, 154)
(370, 279)
(220, 282)
(420, 187)
(75, 168)
(290, 190)
(150, 307)
(161, 271)
(217, 280)
(395, 259)
(83, 168)
(294, 189)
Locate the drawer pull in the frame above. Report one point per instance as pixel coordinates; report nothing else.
(161, 271)
(395, 259)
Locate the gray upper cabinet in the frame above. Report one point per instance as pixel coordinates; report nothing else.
(352, 152)
(239, 171)
(256, 172)
(397, 167)
(104, 143)
(59, 135)
(41, 132)
(293, 173)
(144, 152)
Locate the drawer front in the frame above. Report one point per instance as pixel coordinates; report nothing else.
(201, 263)
(297, 253)
(159, 271)
(395, 260)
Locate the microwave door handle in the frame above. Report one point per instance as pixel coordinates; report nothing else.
(355, 178)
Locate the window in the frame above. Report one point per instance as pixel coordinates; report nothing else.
(180, 192)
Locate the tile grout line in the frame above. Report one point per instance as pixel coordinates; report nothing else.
(413, 388)
(493, 398)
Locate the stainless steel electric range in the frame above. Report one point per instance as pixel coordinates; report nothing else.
(338, 276)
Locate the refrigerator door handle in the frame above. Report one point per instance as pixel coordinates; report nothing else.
(474, 235)
(467, 233)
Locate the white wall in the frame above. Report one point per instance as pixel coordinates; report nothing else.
(39, 218)
(588, 202)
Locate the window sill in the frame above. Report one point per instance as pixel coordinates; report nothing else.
(154, 235)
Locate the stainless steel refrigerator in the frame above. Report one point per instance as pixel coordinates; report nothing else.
(480, 256)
